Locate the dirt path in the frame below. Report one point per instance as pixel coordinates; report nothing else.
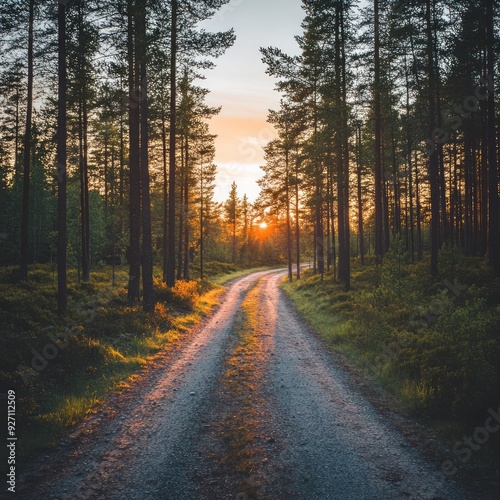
(252, 406)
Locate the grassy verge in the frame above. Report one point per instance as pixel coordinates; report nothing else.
(62, 369)
(240, 386)
(433, 343)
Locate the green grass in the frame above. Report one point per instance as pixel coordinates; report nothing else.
(435, 347)
(111, 342)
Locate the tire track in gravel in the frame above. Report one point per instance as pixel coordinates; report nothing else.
(251, 406)
(142, 445)
(241, 442)
(333, 443)
(298, 427)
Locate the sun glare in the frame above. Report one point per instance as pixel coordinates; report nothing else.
(263, 225)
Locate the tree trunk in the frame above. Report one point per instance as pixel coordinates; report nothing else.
(343, 158)
(484, 176)
(202, 222)
(297, 219)
(493, 240)
(288, 227)
(181, 211)
(86, 264)
(419, 211)
(379, 225)
(147, 243)
(172, 166)
(433, 157)
(134, 251)
(186, 210)
(62, 293)
(361, 236)
(329, 202)
(23, 271)
(165, 198)
(411, 242)
(233, 258)
(396, 187)
(83, 146)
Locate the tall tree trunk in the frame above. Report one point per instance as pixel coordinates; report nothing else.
(17, 173)
(106, 174)
(379, 216)
(328, 200)
(85, 187)
(419, 210)
(23, 271)
(297, 218)
(320, 236)
(134, 251)
(343, 158)
(62, 293)
(147, 242)
(334, 237)
(468, 218)
(113, 218)
(172, 166)
(475, 196)
(433, 157)
(361, 236)
(181, 210)
(411, 242)
(233, 257)
(315, 253)
(385, 204)
(165, 197)
(483, 233)
(493, 239)
(396, 186)
(122, 159)
(444, 227)
(186, 210)
(202, 223)
(318, 215)
(288, 226)
(454, 201)
(83, 152)
(82, 198)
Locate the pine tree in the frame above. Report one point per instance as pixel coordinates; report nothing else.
(232, 208)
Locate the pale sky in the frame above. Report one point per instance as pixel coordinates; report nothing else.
(240, 85)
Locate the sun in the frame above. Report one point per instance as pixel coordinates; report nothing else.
(263, 225)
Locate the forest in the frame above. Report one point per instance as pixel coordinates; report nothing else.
(379, 193)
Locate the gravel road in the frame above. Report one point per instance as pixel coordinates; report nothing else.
(318, 436)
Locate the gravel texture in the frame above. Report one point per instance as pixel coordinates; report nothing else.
(318, 436)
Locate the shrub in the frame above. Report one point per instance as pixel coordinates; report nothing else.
(186, 293)
(433, 342)
(460, 361)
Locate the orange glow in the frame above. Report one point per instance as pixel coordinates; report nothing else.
(240, 139)
(263, 225)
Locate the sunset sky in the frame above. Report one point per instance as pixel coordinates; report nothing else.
(239, 84)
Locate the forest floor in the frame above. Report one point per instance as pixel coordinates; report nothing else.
(250, 404)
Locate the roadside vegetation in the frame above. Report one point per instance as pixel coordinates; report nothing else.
(62, 368)
(431, 342)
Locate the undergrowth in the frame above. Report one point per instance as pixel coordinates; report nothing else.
(432, 342)
(61, 369)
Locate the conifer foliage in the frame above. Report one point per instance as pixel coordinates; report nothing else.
(394, 113)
